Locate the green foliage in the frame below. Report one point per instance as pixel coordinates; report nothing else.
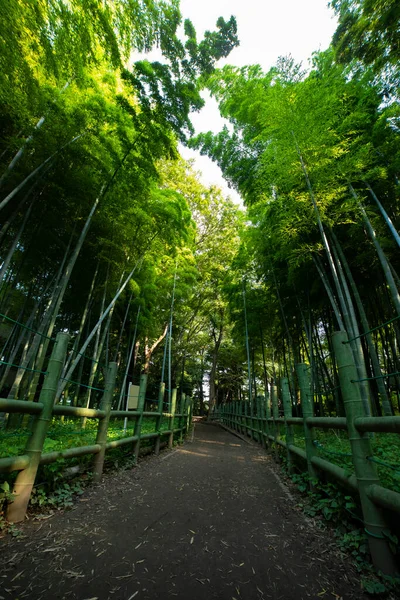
(340, 512)
(58, 483)
(61, 497)
(368, 34)
(84, 122)
(68, 434)
(334, 446)
(5, 497)
(295, 142)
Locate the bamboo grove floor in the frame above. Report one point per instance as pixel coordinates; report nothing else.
(210, 519)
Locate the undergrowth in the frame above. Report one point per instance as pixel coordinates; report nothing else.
(58, 483)
(68, 434)
(332, 506)
(385, 448)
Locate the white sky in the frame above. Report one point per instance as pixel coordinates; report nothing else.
(267, 29)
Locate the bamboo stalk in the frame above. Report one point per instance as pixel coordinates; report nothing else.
(172, 410)
(365, 470)
(101, 438)
(287, 409)
(303, 378)
(140, 409)
(26, 478)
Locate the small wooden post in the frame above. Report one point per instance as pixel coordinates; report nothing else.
(25, 479)
(287, 410)
(172, 418)
(140, 409)
(102, 429)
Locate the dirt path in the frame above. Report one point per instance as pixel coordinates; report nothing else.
(208, 520)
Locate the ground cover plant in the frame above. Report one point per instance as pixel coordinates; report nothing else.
(331, 506)
(59, 483)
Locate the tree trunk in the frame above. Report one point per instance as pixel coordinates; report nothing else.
(93, 364)
(381, 255)
(19, 187)
(364, 321)
(82, 324)
(98, 324)
(122, 328)
(384, 214)
(149, 350)
(21, 151)
(213, 371)
(8, 258)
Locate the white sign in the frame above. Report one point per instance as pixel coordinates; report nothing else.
(133, 396)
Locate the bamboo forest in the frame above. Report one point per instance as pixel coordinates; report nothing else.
(199, 397)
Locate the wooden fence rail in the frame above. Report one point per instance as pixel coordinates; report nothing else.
(256, 421)
(28, 463)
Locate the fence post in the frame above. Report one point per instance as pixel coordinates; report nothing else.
(254, 419)
(267, 416)
(185, 413)
(275, 415)
(140, 409)
(181, 409)
(365, 470)
(172, 418)
(260, 421)
(25, 480)
(188, 415)
(101, 438)
(261, 412)
(160, 407)
(247, 412)
(304, 379)
(287, 411)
